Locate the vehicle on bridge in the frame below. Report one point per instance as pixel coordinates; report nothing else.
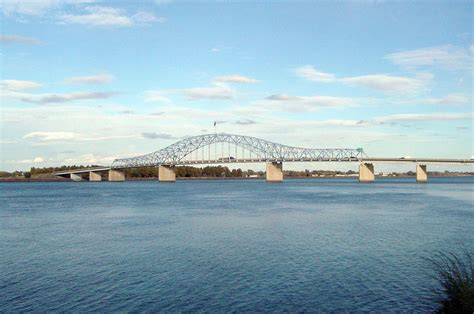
(231, 148)
(227, 158)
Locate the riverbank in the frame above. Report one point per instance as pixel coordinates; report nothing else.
(60, 179)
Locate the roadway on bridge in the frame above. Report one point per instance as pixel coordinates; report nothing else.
(247, 149)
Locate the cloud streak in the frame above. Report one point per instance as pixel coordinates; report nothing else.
(448, 56)
(48, 136)
(380, 82)
(307, 103)
(309, 73)
(219, 91)
(16, 39)
(390, 84)
(56, 98)
(235, 79)
(28, 8)
(101, 78)
(154, 135)
(109, 17)
(426, 117)
(52, 136)
(156, 96)
(19, 85)
(36, 160)
(451, 99)
(245, 122)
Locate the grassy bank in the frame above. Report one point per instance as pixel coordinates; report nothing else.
(455, 275)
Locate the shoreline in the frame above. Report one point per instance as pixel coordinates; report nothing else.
(11, 180)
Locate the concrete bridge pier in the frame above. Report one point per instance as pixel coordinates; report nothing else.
(366, 172)
(94, 176)
(274, 171)
(116, 176)
(75, 177)
(166, 173)
(421, 173)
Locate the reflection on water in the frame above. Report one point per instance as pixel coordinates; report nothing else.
(301, 245)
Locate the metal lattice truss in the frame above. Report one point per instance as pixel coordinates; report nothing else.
(262, 150)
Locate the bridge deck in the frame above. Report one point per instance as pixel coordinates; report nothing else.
(419, 160)
(67, 172)
(259, 160)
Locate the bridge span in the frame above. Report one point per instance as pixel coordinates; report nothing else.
(238, 149)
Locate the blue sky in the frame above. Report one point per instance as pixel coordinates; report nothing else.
(89, 81)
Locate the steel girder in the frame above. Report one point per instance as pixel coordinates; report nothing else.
(262, 149)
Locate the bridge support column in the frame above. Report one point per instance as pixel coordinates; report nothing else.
(421, 173)
(94, 176)
(366, 172)
(75, 177)
(166, 174)
(116, 176)
(274, 171)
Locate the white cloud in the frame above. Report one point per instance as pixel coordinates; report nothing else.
(235, 79)
(52, 136)
(435, 116)
(83, 128)
(245, 122)
(451, 99)
(9, 7)
(108, 16)
(56, 98)
(38, 159)
(4, 142)
(146, 18)
(391, 84)
(95, 15)
(101, 78)
(35, 7)
(35, 160)
(448, 56)
(87, 159)
(219, 91)
(175, 113)
(18, 85)
(156, 96)
(154, 135)
(15, 39)
(307, 103)
(308, 72)
(381, 82)
(339, 122)
(98, 16)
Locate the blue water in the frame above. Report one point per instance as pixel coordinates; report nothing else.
(303, 245)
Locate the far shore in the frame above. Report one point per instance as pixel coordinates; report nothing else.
(7, 180)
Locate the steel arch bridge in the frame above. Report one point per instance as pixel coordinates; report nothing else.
(258, 151)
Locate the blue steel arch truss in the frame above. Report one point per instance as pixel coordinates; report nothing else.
(262, 150)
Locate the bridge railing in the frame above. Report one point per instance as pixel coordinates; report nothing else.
(244, 148)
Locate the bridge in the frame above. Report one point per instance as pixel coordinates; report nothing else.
(230, 148)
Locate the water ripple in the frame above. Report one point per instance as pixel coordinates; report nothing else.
(244, 246)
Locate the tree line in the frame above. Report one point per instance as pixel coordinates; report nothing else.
(198, 172)
(193, 172)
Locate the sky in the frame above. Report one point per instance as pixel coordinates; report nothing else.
(85, 82)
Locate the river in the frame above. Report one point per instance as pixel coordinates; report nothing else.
(243, 245)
